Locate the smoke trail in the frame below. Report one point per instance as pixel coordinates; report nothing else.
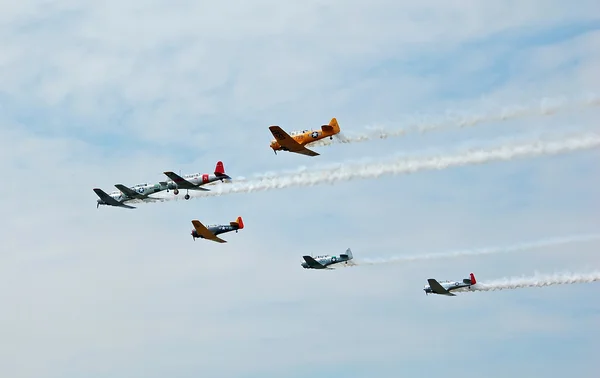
(483, 251)
(346, 172)
(546, 107)
(538, 280)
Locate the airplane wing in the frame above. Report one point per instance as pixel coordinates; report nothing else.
(129, 192)
(437, 288)
(205, 233)
(288, 142)
(181, 182)
(313, 263)
(307, 152)
(109, 200)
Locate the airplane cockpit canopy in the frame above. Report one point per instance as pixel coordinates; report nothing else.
(292, 133)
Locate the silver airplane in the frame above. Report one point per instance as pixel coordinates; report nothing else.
(323, 262)
(445, 287)
(210, 232)
(195, 181)
(124, 194)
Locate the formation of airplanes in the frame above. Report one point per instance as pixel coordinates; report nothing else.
(295, 142)
(193, 181)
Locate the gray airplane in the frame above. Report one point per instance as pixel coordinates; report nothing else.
(445, 287)
(210, 232)
(323, 262)
(124, 194)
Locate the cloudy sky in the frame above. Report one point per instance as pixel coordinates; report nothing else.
(98, 93)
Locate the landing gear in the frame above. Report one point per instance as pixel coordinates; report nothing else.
(331, 137)
(187, 196)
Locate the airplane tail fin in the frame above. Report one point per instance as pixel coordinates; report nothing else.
(334, 123)
(220, 170)
(347, 254)
(238, 222)
(333, 126)
(473, 280)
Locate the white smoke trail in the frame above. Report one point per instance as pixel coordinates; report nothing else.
(483, 251)
(352, 171)
(538, 280)
(546, 107)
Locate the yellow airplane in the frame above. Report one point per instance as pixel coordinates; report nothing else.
(296, 140)
(210, 232)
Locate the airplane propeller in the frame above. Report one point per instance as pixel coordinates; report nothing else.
(97, 205)
(193, 237)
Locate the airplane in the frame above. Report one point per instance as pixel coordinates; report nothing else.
(195, 181)
(296, 140)
(445, 287)
(124, 194)
(210, 232)
(323, 262)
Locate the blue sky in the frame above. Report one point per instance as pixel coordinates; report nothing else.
(97, 94)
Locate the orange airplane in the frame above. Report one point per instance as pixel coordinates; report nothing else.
(296, 140)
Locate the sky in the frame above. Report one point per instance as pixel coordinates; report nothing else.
(98, 93)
